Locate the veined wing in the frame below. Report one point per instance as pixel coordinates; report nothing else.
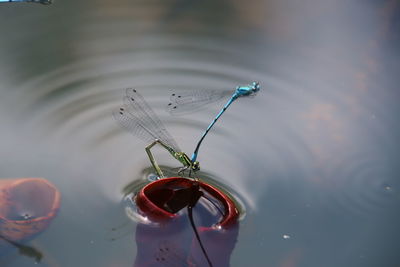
(188, 102)
(136, 105)
(133, 125)
(138, 118)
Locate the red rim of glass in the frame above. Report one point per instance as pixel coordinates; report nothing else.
(156, 213)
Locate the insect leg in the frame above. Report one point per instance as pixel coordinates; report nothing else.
(153, 160)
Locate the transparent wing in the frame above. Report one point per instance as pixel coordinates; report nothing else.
(189, 102)
(137, 106)
(138, 118)
(133, 125)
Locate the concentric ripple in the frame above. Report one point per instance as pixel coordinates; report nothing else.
(73, 103)
(323, 128)
(364, 184)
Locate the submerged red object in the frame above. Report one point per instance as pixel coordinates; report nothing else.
(172, 241)
(27, 206)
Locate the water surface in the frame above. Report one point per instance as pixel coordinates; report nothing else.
(313, 156)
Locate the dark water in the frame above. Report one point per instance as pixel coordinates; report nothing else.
(314, 156)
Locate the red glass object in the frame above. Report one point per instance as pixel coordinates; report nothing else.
(173, 241)
(27, 207)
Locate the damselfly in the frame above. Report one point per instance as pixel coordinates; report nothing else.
(138, 118)
(194, 100)
(44, 2)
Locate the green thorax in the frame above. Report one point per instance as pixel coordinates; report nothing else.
(183, 158)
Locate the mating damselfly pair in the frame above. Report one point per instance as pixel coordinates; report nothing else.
(139, 119)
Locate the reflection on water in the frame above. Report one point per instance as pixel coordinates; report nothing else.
(206, 235)
(313, 156)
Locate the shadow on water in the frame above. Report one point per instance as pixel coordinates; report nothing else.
(24, 250)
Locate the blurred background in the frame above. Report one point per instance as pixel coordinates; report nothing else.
(313, 156)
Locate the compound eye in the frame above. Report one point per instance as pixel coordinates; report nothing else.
(196, 166)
